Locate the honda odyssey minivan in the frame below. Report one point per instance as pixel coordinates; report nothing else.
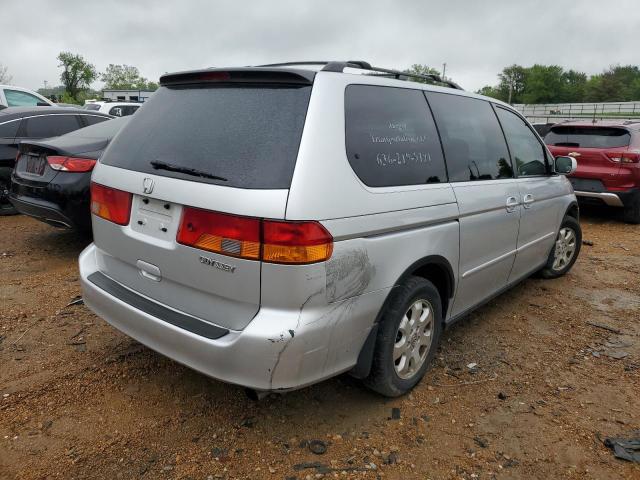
(275, 226)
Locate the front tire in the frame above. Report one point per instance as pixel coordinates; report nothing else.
(408, 338)
(565, 249)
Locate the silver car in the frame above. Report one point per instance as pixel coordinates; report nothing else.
(275, 226)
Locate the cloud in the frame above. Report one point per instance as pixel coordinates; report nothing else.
(475, 38)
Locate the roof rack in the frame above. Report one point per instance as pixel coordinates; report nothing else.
(333, 66)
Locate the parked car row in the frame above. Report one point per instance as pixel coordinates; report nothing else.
(275, 226)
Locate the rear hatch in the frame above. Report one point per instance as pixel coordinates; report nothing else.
(597, 151)
(212, 141)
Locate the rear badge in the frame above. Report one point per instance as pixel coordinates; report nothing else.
(220, 266)
(147, 185)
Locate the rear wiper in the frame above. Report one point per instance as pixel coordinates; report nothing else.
(186, 170)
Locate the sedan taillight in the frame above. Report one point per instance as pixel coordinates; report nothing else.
(70, 164)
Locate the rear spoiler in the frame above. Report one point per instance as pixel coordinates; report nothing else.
(240, 75)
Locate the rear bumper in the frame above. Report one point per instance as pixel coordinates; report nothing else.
(612, 199)
(63, 202)
(41, 210)
(280, 349)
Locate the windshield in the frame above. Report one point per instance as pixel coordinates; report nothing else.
(588, 137)
(247, 135)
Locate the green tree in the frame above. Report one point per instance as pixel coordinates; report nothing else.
(77, 74)
(125, 77)
(544, 84)
(419, 69)
(614, 85)
(489, 91)
(512, 83)
(4, 75)
(575, 85)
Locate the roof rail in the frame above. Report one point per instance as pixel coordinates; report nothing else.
(334, 66)
(630, 122)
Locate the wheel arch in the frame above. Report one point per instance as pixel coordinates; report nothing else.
(435, 268)
(573, 210)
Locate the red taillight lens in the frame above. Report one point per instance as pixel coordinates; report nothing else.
(624, 157)
(220, 233)
(255, 239)
(110, 204)
(71, 164)
(295, 242)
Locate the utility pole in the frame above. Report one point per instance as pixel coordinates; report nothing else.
(510, 90)
(45, 85)
(444, 70)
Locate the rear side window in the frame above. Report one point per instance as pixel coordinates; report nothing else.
(391, 138)
(48, 126)
(9, 129)
(588, 137)
(526, 150)
(248, 135)
(472, 139)
(16, 98)
(94, 119)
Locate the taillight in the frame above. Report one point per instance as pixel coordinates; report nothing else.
(295, 242)
(255, 239)
(624, 157)
(110, 204)
(220, 233)
(70, 164)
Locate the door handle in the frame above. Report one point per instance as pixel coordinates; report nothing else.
(512, 203)
(527, 200)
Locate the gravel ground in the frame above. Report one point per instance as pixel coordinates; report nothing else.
(81, 400)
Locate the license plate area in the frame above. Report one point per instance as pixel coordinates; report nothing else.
(155, 218)
(36, 165)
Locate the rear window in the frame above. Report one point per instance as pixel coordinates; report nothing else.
(588, 137)
(391, 137)
(92, 106)
(248, 135)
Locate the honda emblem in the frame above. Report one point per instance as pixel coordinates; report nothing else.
(147, 185)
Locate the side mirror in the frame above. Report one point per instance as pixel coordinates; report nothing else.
(42, 104)
(566, 165)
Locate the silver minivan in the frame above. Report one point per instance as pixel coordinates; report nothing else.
(275, 226)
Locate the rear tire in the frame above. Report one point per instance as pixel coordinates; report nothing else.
(408, 338)
(6, 207)
(565, 249)
(631, 213)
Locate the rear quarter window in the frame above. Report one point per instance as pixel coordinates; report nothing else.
(248, 135)
(588, 137)
(48, 126)
(391, 139)
(9, 129)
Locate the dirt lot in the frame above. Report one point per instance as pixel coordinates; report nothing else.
(81, 400)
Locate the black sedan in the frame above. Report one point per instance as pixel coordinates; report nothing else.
(25, 123)
(51, 178)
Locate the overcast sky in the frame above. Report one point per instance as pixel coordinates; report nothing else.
(475, 38)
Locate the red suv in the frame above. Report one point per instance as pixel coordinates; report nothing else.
(608, 157)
